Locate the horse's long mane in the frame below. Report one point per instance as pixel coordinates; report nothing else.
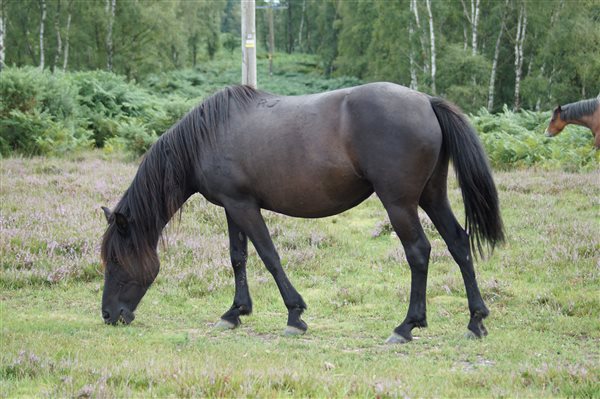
(160, 185)
(578, 109)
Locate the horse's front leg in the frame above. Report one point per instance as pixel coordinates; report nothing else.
(247, 216)
(242, 303)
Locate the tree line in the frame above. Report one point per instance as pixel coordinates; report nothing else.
(529, 54)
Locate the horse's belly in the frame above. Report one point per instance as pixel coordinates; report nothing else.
(314, 198)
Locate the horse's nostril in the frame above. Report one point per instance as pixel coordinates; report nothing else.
(105, 315)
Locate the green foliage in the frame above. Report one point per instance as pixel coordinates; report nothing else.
(464, 78)
(515, 140)
(39, 113)
(132, 136)
(44, 113)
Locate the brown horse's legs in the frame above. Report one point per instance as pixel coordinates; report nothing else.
(406, 224)
(458, 243)
(238, 250)
(247, 216)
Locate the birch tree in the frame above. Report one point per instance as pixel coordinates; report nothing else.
(111, 5)
(519, 44)
(58, 51)
(303, 15)
(492, 85)
(422, 40)
(473, 19)
(411, 31)
(432, 46)
(67, 32)
(2, 33)
(42, 23)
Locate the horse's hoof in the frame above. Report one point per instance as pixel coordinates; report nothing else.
(224, 325)
(396, 338)
(291, 331)
(471, 335)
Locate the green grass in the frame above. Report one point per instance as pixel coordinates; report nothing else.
(541, 287)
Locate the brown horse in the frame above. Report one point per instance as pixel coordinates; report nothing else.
(307, 156)
(585, 113)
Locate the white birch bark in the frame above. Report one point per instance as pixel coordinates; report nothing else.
(492, 85)
(110, 11)
(472, 18)
(301, 25)
(474, 24)
(66, 53)
(413, 69)
(424, 51)
(58, 36)
(42, 23)
(519, 43)
(2, 33)
(432, 46)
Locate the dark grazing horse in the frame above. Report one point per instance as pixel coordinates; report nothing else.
(307, 156)
(585, 113)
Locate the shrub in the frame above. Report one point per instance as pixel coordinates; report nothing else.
(517, 140)
(39, 113)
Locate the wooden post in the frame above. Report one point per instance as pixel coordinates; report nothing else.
(271, 39)
(248, 43)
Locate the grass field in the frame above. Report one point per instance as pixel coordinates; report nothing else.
(542, 288)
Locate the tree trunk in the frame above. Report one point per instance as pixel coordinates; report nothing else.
(271, 38)
(424, 51)
(111, 5)
(66, 54)
(413, 71)
(492, 85)
(473, 20)
(2, 33)
(519, 42)
(42, 23)
(58, 36)
(474, 24)
(301, 25)
(432, 46)
(290, 46)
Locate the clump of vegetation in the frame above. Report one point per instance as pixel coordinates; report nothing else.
(55, 114)
(515, 140)
(39, 113)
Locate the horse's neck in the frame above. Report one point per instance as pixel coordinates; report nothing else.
(591, 121)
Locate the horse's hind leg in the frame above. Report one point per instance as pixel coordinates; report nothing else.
(247, 216)
(405, 220)
(435, 203)
(238, 251)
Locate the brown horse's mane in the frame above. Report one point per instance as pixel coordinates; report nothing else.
(578, 109)
(160, 187)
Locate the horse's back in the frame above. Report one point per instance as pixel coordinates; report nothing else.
(320, 154)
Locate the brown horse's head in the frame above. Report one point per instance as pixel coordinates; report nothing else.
(557, 124)
(131, 265)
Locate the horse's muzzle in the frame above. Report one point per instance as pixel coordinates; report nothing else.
(125, 316)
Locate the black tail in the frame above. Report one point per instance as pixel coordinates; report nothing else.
(483, 220)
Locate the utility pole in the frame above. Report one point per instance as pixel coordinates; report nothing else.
(248, 43)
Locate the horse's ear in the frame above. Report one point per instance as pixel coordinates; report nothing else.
(107, 213)
(559, 109)
(121, 222)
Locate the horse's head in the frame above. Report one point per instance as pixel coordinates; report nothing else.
(557, 124)
(131, 265)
